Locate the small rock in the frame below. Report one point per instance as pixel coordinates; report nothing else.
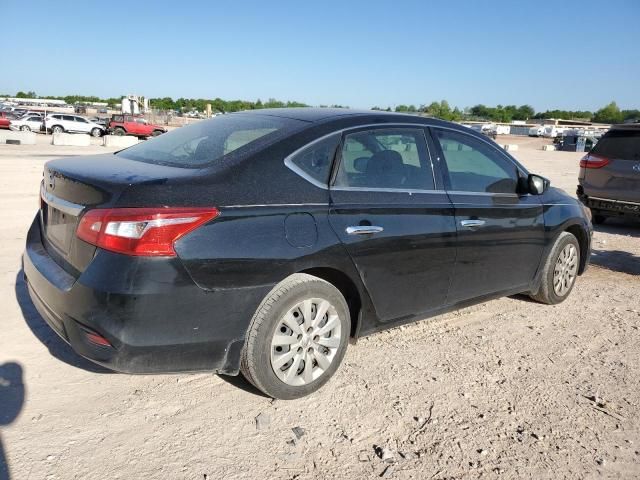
(50, 458)
(298, 432)
(385, 454)
(291, 442)
(263, 421)
(600, 461)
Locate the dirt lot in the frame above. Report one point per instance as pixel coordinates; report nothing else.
(506, 389)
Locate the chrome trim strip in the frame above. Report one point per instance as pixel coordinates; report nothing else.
(395, 190)
(613, 201)
(63, 205)
(277, 205)
(485, 194)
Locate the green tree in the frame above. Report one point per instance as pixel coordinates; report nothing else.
(609, 114)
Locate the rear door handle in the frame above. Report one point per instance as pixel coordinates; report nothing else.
(472, 223)
(363, 229)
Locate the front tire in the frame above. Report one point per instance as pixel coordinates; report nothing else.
(120, 132)
(96, 132)
(57, 129)
(560, 270)
(297, 337)
(25, 128)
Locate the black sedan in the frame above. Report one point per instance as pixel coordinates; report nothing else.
(261, 242)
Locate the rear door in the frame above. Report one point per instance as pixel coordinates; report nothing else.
(69, 123)
(619, 178)
(395, 221)
(500, 231)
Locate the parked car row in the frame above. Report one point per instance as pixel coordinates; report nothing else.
(33, 121)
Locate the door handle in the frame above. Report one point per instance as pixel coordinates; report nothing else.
(363, 230)
(472, 223)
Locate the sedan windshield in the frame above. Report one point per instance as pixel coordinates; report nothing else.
(207, 141)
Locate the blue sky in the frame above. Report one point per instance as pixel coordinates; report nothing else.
(549, 54)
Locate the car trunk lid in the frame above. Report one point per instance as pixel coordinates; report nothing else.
(71, 186)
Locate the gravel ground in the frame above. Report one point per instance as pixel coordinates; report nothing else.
(506, 389)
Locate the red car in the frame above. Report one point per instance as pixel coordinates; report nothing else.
(133, 125)
(5, 119)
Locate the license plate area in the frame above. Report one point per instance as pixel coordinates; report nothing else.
(59, 227)
(623, 207)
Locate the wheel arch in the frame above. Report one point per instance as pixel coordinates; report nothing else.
(347, 288)
(582, 236)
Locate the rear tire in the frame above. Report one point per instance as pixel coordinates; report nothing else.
(560, 271)
(119, 131)
(291, 351)
(599, 219)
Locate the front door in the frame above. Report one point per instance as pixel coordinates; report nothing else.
(396, 225)
(500, 230)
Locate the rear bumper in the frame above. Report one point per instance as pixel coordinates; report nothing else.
(154, 316)
(610, 207)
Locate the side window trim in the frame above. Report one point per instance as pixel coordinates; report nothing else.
(288, 161)
(444, 170)
(390, 126)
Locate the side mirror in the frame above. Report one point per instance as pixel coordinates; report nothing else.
(536, 184)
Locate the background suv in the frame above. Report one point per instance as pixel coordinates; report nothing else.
(609, 180)
(134, 125)
(60, 123)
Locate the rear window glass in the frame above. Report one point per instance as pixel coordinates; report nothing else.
(620, 144)
(207, 141)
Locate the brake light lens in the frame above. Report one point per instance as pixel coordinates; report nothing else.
(593, 161)
(141, 231)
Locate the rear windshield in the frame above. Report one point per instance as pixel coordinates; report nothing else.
(205, 142)
(623, 144)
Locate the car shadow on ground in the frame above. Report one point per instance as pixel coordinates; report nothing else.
(242, 383)
(616, 261)
(620, 226)
(12, 395)
(43, 332)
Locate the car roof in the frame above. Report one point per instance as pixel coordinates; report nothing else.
(626, 126)
(321, 115)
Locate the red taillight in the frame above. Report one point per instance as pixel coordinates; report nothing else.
(141, 231)
(96, 338)
(593, 161)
